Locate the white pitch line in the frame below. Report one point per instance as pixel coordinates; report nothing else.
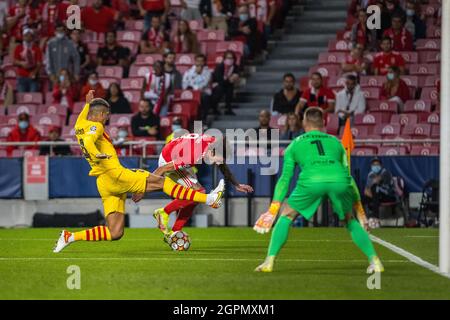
(408, 255)
(422, 236)
(195, 240)
(183, 259)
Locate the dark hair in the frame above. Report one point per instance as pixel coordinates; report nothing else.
(200, 55)
(93, 73)
(229, 52)
(169, 52)
(376, 159)
(119, 89)
(317, 74)
(288, 75)
(386, 38)
(110, 31)
(158, 63)
(314, 116)
(352, 77)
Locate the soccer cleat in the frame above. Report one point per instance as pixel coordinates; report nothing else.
(63, 241)
(162, 218)
(266, 266)
(167, 236)
(215, 197)
(264, 223)
(375, 265)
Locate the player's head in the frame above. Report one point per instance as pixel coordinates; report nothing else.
(99, 110)
(313, 119)
(386, 44)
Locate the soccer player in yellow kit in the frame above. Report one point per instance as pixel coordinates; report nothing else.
(114, 182)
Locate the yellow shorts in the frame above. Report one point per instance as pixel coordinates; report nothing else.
(114, 185)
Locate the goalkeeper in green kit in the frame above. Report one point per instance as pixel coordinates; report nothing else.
(324, 173)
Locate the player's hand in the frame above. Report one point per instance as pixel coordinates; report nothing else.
(244, 188)
(90, 96)
(264, 222)
(136, 197)
(102, 156)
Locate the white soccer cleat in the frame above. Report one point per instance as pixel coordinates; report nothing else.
(375, 266)
(214, 198)
(63, 241)
(264, 222)
(266, 266)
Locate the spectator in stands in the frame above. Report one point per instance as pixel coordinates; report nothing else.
(414, 22)
(385, 18)
(316, 96)
(153, 8)
(224, 79)
(6, 91)
(355, 62)
(379, 188)
(245, 28)
(49, 12)
(117, 101)
(61, 53)
(23, 132)
(28, 60)
(285, 100)
(394, 8)
(198, 77)
(21, 16)
(216, 13)
(158, 89)
(402, 39)
(395, 89)
(93, 84)
(99, 18)
(83, 52)
(350, 100)
(113, 54)
(191, 10)
(64, 91)
(293, 127)
(264, 130)
(361, 35)
(145, 123)
(170, 69)
(185, 41)
(54, 135)
(177, 129)
(357, 5)
(63, 8)
(155, 40)
(264, 11)
(387, 58)
(119, 141)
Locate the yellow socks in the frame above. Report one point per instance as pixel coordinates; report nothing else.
(99, 233)
(177, 191)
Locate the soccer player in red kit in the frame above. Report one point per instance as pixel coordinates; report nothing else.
(177, 161)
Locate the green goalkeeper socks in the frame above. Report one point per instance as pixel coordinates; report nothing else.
(361, 238)
(279, 235)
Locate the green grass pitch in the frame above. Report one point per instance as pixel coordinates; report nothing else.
(317, 263)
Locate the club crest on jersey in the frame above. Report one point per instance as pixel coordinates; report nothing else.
(92, 129)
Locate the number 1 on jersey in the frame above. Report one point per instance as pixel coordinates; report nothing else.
(319, 146)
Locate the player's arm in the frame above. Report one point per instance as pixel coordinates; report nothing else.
(265, 221)
(89, 139)
(165, 168)
(84, 113)
(228, 175)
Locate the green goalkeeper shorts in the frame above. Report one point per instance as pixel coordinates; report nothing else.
(306, 197)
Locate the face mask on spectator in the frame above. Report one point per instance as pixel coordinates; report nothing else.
(61, 78)
(23, 124)
(122, 134)
(93, 82)
(410, 12)
(376, 168)
(390, 76)
(243, 17)
(60, 35)
(176, 127)
(228, 62)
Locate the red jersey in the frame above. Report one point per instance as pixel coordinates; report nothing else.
(153, 5)
(187, 150)
(16, 135)
(318, 98)
(402, 41)
(30, 17)
(383, 61)
(50, 15)
(100, 21)
(32, 56)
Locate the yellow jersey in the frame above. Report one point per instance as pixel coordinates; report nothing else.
(93, 140)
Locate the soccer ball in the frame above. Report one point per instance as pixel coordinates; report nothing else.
(374, 223)
(179, 241)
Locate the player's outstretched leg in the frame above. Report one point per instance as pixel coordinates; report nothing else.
(114, 231)
(279, 237)
(361, 238)
(177, 191)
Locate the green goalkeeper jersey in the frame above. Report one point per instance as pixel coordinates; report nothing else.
(321, 158)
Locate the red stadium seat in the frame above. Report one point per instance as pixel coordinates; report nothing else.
(106, 82)
(2, 111)
(338, 45)
(361, 132)
(93, 47)
(433, 32)
(343, 35)
(424, 151)
(129, 35)
(187, 95)
(68, 132)
(435, 131)
(332, 57)
(16, 109)
(132, 46)
(47, 120)
(120, 119)
(278, 121)
(429, 93)
(428, 44)
(10, 72)
(11, 120)
(372, 81)
(333, 124)
(188, 109)
(134, 25)
(149, 150)
(433, 57)
(110, 72)
(147, 59)
(210, 35)
(236, 46)
(371, 93)
(410, 57)
(368, 119)
(93, 37)
(404, 119)
(326, 70)
(431, 118)
(133, 97)
(165, 125)
(382, 106)
(2, 153)
(19, 153)
(424, 69)
(411, 81)
(365, 151)
(431, 81)
(137, 71)
(29, 98)
(336, 82)
(132, 83)
(72, 120)
(196, 25)
(415, 106)
(185, 59)
(53, 109)
(417, 130)
(77, 107)
(5, 129)
(387, 129)
(392, 151)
